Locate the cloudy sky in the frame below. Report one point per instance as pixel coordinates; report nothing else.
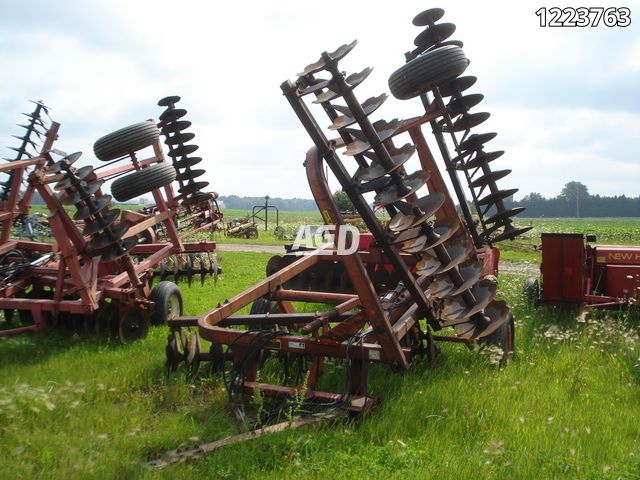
(564, 101)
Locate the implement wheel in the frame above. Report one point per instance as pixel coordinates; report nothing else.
(143, 181)
(427, 71)
(126, 140)
(167, 302)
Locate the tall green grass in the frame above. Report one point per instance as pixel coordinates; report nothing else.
(567, 406)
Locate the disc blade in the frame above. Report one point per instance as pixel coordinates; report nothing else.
(172, 114)
(482, 158)
(410, 184)
(84, 194)
(434, 34)
(356, 79)
(505, 214)
(193, 187)
(183, 150)
(168, 101)
(457, 86)
(97, 205)
(368, 107)
(399, 156)
(499, 195)
(179, 138)
(106, 220)
(486, 179)
(114, 253)
(176, 127)
(187, 162)
(197, 198)
(455, 309)
(428, 17)
(190, 174)
(510, 234)
(476, 141)
(470, 271)
(467, 122)
(497, 312)
(461, 105)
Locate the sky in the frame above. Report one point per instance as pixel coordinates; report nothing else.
(564, 101)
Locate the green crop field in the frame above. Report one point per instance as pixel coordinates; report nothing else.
(567, 406)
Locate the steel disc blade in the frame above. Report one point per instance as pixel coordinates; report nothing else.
(84, 172)
(327, 96)
(179, 138)
(457, 86)
(458, 251)
(455, 309)
(356, 79)
(486, 179)
(172, 114)
(84, 194)
(467, 122)
(410, 184)
(106, 220)
(499, 195)
(183, 150)
(190, 174)
(483, 158)
(121, 250)
(428, 17)
(476, 141)
(434, 34)
(505, 214)
(96, 205)
(463, 104)
(401, 222)
(428, 265)
(193, 187)
(168, 101)
(385, 130)
(470, 271)
(399, 156)
(317, 85)
(415, 245)
(431, 203)
(497, 312)
(441, 286)
(66, 182)
(108, 237)
(510, 234)
(343, 109)
(408, 235)
(187, 162)
(321, 64)
(369, 106)
(197, 198)
(176, 127)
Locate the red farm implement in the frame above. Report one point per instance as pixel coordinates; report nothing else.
(428, 276)
(93, 270)
(575, 271)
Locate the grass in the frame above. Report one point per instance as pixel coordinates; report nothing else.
(566, 407)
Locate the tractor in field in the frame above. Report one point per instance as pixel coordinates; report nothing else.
(92, 270)
(427, 276)
(576, 271)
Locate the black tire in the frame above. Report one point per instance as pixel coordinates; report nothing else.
(142, 181)
(251, 232)
(427, 71)
(166, 298)
(505, 338)
(531, 291)
(126, 140)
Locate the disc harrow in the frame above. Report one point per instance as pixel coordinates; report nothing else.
(389, 291)
(93, 273)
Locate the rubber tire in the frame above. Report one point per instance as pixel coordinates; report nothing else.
(427, 71)
(161, 295)
(142, 181)
(503, 337)
(531, 291)
(126, 140)
(251, 232)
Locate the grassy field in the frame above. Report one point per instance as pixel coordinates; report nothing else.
(566, 407)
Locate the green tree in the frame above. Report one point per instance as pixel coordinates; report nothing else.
(575, 193)
(343, 201)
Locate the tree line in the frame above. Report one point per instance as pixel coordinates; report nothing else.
(576, 201)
